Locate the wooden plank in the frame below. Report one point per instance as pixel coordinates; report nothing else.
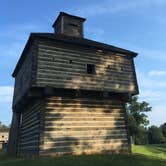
(81, 148)
(47, 127)
(61, 118)
(57, 50)
(77, 85)
(118, 76)
(83, 133)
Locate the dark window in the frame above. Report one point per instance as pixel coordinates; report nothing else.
(90, 69)
(70, 61)
(73, 25)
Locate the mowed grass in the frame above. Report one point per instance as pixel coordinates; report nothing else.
(149, 155)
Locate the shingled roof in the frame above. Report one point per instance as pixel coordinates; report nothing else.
(71, 40)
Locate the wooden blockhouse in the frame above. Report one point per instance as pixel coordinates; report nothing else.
(70, 94)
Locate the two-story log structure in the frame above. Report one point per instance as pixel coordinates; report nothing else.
(70, 93)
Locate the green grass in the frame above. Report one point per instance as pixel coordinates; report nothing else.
(149, 155)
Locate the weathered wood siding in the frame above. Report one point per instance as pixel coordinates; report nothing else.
(25, 75)
(30, 129)
(63, 67)
(76, 126)
(72, 27)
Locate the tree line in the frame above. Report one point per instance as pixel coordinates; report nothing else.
(138, 123)
(4, 127)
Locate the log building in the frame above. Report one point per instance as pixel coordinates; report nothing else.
(4, 134)
(70, 94)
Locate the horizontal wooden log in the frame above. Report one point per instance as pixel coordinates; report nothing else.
(31, 141)
(69, 119)
(83, 133)
(63, 51)
(62, 142)
(66, 60)
(71, 123)
(106, 80)
(87, 152)
(30, 137)
(54, 83)
(30, 125)
(62, 115)
(29, 147)
(29, 134)
(82, 149)
(101, 69)
(86, 146)
(84, 128)
(113, 72)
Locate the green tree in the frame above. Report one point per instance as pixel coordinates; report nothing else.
(163, 129)
(155, 135)
(138, 120)
(2, 126)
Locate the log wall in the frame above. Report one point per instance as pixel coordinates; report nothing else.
(26, 74)
(65, 67)
(30, 129)
(77, 126)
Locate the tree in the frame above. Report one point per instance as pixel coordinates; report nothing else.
(155, 135)
(2, 126)
(163, 129)
(137, 119)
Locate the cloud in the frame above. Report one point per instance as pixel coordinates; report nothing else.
(6, 94)
(151, 89)
(151, 95)
(13, 38)
(157, 116)
(113, 7)
(157, 73)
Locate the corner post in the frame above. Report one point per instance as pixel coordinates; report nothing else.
(14, 134)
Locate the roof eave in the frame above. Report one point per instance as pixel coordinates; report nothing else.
(66, 14)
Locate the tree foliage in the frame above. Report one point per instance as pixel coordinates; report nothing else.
(3, 127)
(155, 135)
(163, 129)
(138, 120)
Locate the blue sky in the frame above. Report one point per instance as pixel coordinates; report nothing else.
(132, 24)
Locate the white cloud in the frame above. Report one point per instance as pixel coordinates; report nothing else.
(158, 115)
(157, 73)
(152, 89)
(151, 95)
(146, 82)
(6, 94)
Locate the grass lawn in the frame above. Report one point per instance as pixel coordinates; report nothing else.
(149, 155)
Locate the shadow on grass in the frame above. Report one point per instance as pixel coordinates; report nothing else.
(156, 148)
(86, 160)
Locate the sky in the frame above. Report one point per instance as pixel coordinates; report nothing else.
(136, 25)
